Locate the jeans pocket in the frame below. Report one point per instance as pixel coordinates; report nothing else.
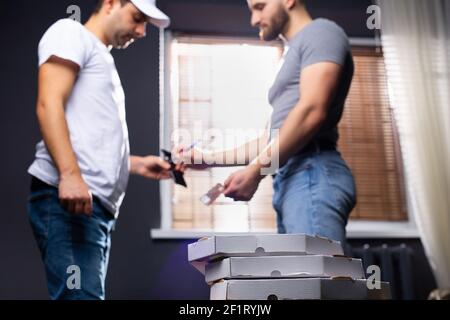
(342, 186)
(39, 204)
(294, 166)
(40, 195)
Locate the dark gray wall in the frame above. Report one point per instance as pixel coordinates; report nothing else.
(139, 267)
(232, 17)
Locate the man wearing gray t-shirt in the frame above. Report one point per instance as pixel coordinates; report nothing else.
(314, 190)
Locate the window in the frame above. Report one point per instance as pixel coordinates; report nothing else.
(222, 83)
(369, 143)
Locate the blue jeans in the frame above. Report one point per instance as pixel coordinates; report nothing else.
(314, 194)
(74, 248)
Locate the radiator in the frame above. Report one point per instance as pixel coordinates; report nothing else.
(395, 263)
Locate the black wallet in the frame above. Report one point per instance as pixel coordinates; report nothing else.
(177, 175)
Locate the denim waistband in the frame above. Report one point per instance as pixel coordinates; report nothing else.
(317, 146)
(37, 184)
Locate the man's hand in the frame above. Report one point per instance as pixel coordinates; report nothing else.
(74, 194)
(192, 158)
(152, 167)
(242, 184)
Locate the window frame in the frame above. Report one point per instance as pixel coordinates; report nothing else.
(355, 228)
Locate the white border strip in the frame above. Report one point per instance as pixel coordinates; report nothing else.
(164, 130)
(355, 230)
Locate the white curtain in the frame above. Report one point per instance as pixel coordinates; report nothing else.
(416, 44)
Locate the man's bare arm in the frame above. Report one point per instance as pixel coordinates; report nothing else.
(56, 80)
(241, 155)
(317, 90)
(318, 85)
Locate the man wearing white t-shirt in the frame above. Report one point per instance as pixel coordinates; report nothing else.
(81, 167)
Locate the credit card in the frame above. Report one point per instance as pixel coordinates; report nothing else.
(211, 196)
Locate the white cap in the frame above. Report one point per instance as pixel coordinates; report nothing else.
(148, 7)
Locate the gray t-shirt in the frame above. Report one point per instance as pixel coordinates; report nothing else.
(320, 41)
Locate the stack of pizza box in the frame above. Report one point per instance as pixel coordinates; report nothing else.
(280, 266)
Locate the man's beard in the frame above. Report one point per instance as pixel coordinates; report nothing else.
(122, 42)
(277, 25)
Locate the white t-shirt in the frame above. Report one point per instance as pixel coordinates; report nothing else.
(95, 114)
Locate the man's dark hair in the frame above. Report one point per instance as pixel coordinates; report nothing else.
(99, 4)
